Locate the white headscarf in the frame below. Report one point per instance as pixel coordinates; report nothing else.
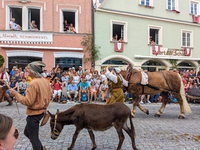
(117, 70)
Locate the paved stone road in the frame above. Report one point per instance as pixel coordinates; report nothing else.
(167, 132)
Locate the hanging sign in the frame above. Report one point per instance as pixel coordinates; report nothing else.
(119, 47)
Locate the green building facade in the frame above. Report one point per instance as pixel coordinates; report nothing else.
(156, 34)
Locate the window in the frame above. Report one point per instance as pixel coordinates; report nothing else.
(34, 14)
(71, 16)
(194, 8)
(145, 2)
(17, 14)
(155, 35)
(118, 31)
(171, 5)
(186, 39)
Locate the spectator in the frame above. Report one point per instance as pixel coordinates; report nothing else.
(14, 26)
(33, 26)
(142, 97)
(73, 71)
(121, 40)
(13, 84)
(13, 71)
(17, 75)
(23, 86)
(191, 76)
(58, 72)
(83, 76)
(80, 71)
(72, 89)
(194, 86)
(93, 90)
(48, 78)
(186, 86)
(76, 78)
(198, 78)
(115, 38)
(57, 88)
(65, 81)
(84, 88)
(88, 77)
(21, 72)
(8, 133)
(66, 26)
(8, 71)
(154, 98)
(103, 88)
(45, 73)
(71, 28)
(103, 76)
(25, 72)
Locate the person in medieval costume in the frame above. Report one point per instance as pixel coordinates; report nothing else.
(4, 80)
(117, 80)
(37, 99)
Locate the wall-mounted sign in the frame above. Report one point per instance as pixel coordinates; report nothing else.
(156, 49)
(119, 47)
(25, 36)
(187, 51)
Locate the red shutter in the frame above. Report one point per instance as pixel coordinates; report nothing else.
(119, 47)
(156, 49)
(187, 51)
(196, 18)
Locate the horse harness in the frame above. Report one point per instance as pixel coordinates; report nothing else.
(55, 132)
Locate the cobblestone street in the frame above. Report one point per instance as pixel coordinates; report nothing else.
(167, 132)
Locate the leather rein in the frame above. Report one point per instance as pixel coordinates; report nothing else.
(55, 132)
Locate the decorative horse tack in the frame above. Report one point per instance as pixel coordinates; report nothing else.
(55, 132)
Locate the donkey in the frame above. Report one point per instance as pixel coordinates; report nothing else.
(93, 117)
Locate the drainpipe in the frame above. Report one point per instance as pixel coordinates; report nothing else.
(93, 23)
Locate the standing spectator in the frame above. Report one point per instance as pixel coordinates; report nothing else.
(66, 25)
(76, 78)
(186, 86)
(57, 88)
(13, 71)
(25, 72)
(103, 76)
(93, 90)
(17, 75)
(58, 73)
(80, 71)
(84, 88)
(14, 85)
(83, 76)
(45, 73)
(23, 86)
(21, 71)
(103, 89)
(8, 133)
(191, 76)
(72, 89)
(65, 81)
(142, 97)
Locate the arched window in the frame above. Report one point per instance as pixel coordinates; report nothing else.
(115, 62)
(152, 66)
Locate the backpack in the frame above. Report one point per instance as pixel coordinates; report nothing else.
(84, 96)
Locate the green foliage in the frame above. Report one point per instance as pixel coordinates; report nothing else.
(174, 63)
(91, 49)
(1, 60)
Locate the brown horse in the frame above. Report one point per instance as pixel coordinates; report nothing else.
(93, 117)
(169, 82)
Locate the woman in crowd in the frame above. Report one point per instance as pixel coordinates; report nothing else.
(13, 84)
(76, 78)
(57, 89)
(88, 77)
(71, 28)
(66, 26)
(83, 76)
(17, 75)
(186, 85)
(103, 76)
(93, 90)
(65, 81)
(8, 133)
(23, 86)
(198, 78)
(103, 89)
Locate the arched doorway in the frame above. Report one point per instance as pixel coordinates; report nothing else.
(115, 62)
(152, 66)
(186, 66)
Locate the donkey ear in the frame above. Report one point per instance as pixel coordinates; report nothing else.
(45, 119)
(51, 115)
(57, 111)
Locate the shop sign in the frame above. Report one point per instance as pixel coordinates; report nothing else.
(119, 47)
(25, 36)
(172, 52)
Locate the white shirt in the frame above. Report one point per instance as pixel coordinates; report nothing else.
(103, 77)
(5, 78)
(113, 78)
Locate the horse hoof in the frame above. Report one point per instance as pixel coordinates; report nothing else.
(147, 112)
(181, 117)
(69, 148)
(157, 115)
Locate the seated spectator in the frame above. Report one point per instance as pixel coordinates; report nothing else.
(83, 76)
(33, 26)
(80, 70)
(154, 98)
(84, 88)
(71, 28)
(186, 86)
(17, 75)
(194, 86)
(115, 38)
(93, 90)
(65, 81)
(121, 40)
(88, 77)
(73, 71)
(57, 88)
(14, 26)
(13, 71)
(76, 78)
(22, 86)
(103, 89)
(72, 89)
(66, 26)
(13, 84)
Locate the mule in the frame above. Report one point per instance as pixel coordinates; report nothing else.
(166, 81)
(93, 117)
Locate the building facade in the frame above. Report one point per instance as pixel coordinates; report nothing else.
(50, 43)
(154, 35)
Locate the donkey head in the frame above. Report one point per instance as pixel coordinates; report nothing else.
(56, 127)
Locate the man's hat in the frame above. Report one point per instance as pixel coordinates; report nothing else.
(80, 66)
(73, 68)
(37, 66)
(56, 78)
(117, 70)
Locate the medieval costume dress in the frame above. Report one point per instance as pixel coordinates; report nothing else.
(117, 80)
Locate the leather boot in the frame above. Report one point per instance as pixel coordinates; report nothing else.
(44, 148)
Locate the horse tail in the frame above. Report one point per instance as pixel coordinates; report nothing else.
(186, 107)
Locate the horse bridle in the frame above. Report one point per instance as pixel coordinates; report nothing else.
(55, 132)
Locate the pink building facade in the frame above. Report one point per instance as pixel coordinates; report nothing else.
(50, 43)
